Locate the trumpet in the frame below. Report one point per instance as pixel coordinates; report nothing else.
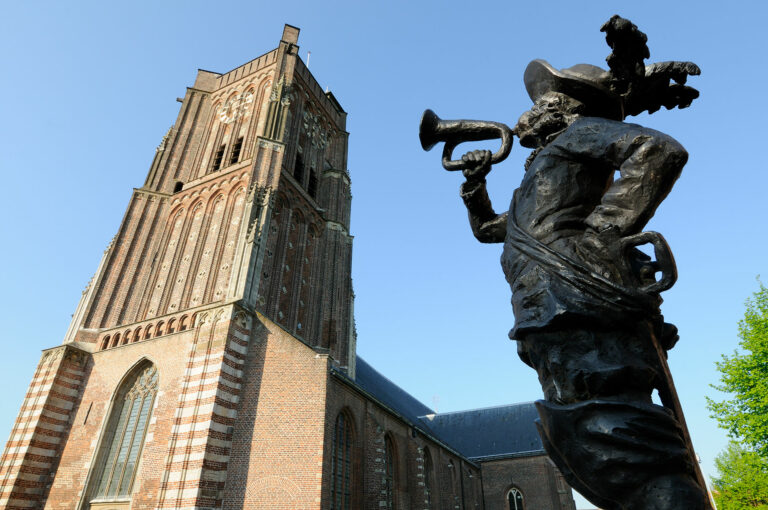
(433, 129)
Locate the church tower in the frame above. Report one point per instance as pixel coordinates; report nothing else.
(247, 200)
(237, 240)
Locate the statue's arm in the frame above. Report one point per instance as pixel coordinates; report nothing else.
(487, 226)
(649, 163)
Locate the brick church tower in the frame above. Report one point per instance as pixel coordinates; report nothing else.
(241, 225)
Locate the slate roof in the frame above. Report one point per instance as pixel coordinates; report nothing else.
(478, 434)
(481, 434)
(389, 393)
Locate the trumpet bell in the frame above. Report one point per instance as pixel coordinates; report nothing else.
(428, 130)
(433, 129)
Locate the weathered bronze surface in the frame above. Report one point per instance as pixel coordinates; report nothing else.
(585, 298)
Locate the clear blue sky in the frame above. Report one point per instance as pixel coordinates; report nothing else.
(89, 89)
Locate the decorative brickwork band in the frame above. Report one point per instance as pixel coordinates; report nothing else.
(201, 438)
(32, 452)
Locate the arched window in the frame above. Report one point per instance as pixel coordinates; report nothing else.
(389, 472)
(105, 343)
(341, 459)
(298, 169)
(428, 478)
(116, 340)
(236, 149)
(515, 498)
(123, 440)
(312, 186)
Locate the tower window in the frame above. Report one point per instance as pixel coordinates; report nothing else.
(312, 188)
(217, 158)
(236, 151)
(121, 448)
(298, 169)
(178, 187)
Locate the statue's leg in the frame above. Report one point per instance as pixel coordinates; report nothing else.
(598, 422)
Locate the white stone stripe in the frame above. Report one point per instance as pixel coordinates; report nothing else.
(238, 348)
(67, 391)
(225, 394)
(233, 359)
(207, 356)
(234, 372)
(43, 452)
(224, 412)
(50, 413)
(202, 395)
(186, 412)
(187, 475)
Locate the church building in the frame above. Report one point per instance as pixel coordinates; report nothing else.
(211, 362)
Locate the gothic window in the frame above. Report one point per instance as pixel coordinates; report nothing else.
(341, 459)
(105, 343)
(236, 149)
(178, 186)
(389, 472)
(428, 468)
(217, 158)
(515, 498)
(298, 169)
(121, 446)
(312, 187)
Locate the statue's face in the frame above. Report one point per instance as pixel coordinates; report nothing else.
(527, 129)
(552, 113)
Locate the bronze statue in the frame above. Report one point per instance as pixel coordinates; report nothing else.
(585, 298)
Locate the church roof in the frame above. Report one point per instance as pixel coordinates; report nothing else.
(478, 434)
(389, 393)
(492, 432)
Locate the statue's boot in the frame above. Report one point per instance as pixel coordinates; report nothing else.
(621, 455)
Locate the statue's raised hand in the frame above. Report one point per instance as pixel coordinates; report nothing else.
(662, 85)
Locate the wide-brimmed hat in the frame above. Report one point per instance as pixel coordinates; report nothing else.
(583, 82)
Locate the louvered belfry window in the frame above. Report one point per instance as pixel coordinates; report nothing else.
(340, 464)
(121, 450)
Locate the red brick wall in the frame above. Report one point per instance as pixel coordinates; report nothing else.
(371, 423)
(31, 455)
(107, 369)
(542, 485)
(277, 448)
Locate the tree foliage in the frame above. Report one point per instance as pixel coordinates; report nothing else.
(743, 479)
(745, 376)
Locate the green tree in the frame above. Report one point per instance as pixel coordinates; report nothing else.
(743, 480)
(745, 376)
